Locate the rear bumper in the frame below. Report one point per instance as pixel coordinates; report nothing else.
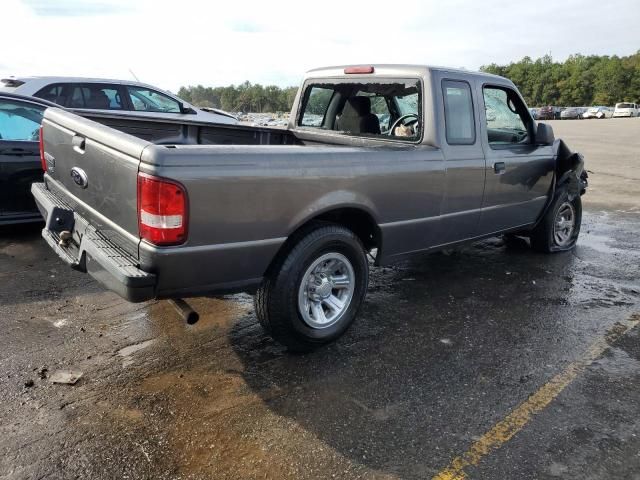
(91, 252)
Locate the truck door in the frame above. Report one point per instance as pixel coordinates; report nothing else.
(465, 163)
(518, 172)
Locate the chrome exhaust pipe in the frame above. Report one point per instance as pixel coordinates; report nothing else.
(185, 310)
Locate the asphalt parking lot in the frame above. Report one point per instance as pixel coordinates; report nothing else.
(489, 362)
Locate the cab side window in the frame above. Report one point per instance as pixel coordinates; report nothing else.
(458, 113)
(507, 122)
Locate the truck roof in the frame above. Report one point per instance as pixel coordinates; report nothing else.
(400, 70)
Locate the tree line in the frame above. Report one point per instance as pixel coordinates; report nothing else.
(578, 81)
(246, 97)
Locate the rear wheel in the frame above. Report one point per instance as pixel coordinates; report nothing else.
(559, 229)
(313, 292)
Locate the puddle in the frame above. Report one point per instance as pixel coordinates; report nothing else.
(602, 244)
(127, 352)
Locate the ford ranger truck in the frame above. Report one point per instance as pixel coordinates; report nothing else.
(387, 160)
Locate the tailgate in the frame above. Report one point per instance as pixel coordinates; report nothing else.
(94, 169)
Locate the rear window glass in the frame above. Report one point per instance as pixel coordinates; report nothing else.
(386, 108)
(317, 104)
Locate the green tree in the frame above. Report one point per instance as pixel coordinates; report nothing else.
(579, 80)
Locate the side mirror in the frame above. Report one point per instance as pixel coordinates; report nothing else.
(544, 134)
(186, 109)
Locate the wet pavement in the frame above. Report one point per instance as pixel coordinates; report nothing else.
(445, 348)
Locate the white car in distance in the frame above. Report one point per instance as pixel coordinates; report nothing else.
(626, 109)
(598, 112)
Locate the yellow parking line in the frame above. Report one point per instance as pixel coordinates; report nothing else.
(518, 418)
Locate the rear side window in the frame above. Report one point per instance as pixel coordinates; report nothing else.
(20, 121)
(96, 97)
(53, 93)
(458, 112)
(146, 100)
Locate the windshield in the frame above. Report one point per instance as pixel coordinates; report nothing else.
(147, 100)
(408, 103)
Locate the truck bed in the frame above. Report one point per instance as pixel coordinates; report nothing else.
(173, 132)
(248, 189)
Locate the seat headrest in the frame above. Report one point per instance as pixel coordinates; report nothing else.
(361, 105)
(98, 99)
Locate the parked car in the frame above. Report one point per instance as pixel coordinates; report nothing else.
(125, 97)
(547, 113)
(598, 112)
(534, 113)
(571, 113)
(292, 214)
(626, 109)
(20, 165)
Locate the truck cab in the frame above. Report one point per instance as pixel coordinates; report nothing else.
(496, 173)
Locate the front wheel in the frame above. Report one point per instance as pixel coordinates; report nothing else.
(559, 228)
(312, 293)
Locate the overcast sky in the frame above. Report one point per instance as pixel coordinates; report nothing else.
(188, 42)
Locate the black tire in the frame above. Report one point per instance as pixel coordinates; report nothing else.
(276, 301)
(544, 237)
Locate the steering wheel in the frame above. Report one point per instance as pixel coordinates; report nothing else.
(402, 119)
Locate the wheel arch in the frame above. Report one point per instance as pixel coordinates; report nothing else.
(357, 218)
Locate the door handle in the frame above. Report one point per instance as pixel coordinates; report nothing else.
(78, 143)
(499, 167)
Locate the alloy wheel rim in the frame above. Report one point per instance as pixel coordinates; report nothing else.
(326, 290)
(564, 224)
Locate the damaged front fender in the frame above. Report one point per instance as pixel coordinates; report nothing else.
(569, 169)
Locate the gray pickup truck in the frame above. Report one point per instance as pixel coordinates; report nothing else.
(390, 160)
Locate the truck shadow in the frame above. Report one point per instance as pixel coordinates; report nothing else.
(442, 347)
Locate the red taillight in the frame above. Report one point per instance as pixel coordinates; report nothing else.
(43, 161)
(162, 210)
(361, 69)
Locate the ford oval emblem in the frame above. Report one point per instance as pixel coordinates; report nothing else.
(79, 177)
